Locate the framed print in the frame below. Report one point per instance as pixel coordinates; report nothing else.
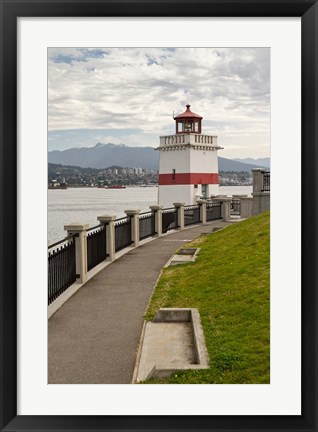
(30, 32)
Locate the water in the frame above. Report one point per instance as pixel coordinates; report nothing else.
(236, 190)
(83, 205)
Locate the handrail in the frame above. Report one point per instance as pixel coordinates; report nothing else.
(121, 220)
(169, 210)
(69, 237)
(95, 227)
(191, 207)
(146, 215)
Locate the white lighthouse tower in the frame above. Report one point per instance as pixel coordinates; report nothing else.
(188, 164)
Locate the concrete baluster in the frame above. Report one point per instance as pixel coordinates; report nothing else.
(109, 222)
(202, 204)
(80, 249)
(180, 209)
(257, 180)
(225, 207)
(134, 215)
(158, 218)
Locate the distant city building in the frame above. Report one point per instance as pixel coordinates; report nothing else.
(188, 163)
(138, 171)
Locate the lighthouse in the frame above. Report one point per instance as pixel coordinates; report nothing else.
(188, 162)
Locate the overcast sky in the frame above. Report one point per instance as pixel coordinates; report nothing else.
(128, 96)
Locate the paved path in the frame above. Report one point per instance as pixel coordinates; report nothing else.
(94, 337)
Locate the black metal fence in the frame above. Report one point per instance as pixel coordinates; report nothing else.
(61, 267)
(169, 219)
(191, 215)
(62, 255)
(213, 211)
(96, 246)
(122, 233)
(266, 182)
(146, 225)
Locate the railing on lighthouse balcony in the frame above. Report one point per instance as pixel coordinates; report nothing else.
(191, 138)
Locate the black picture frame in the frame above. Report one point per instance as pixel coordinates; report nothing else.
(10, 11)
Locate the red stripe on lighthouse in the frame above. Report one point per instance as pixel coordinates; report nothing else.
(188, 178)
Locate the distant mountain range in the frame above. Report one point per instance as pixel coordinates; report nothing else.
(105, 155)
(262, 162)
(234, 165)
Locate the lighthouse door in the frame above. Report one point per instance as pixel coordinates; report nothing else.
(204, 191)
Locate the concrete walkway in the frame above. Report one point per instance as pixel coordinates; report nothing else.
(94, 337)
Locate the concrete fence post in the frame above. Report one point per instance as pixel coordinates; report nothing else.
(226, 207)
(261, 198)
(109, 222)
(246, 207)
(202, 204)
(134, 216)
(157, 210)
(257, 180)
(180, 209)
(80, 249)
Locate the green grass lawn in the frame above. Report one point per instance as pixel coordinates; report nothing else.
(229, 284)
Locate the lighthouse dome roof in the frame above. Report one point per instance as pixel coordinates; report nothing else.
(188, 114)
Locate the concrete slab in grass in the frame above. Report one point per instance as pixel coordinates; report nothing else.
(183, 256)
(173, 342)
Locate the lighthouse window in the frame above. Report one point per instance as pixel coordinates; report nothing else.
(187, 126)
(180, 126)
(196, 126)
(173, 174)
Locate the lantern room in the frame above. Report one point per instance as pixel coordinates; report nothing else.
(188, 122)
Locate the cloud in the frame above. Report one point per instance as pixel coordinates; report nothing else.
(139, 88)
